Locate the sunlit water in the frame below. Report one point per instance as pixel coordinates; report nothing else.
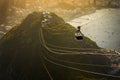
(103, 27)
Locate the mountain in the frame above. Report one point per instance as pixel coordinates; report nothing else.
(22, 55)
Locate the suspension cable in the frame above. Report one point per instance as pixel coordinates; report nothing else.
(76, 68)
(73, 62)
(44, 43)
(86, 71)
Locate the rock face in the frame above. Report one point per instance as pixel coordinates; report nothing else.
(21, 50)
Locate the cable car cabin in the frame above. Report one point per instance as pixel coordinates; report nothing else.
(78, 36)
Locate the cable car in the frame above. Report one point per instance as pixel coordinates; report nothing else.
(78, 36)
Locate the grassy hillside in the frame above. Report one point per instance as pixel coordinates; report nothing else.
(21, 53)
(62, 34)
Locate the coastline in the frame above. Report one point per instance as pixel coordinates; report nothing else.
(101, 27)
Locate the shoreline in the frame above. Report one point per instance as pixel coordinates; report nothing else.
(89, 12)
(101, 27)
(84, 16)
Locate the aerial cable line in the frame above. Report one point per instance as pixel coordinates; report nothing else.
(81, 70)
(73, 62)
(107, 75)
(45, 67)
(69, 53)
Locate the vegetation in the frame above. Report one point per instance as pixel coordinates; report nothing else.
(62, 34)
(22, 53)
